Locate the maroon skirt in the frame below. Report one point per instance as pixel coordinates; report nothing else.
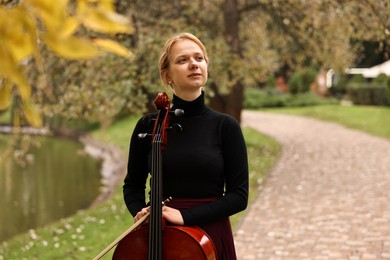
(219, 231)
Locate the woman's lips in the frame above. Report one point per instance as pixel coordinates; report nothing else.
(194, 75)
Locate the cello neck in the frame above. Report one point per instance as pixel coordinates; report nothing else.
(159, 140)
(155, 222)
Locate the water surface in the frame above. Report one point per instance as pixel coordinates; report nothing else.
(60, 181)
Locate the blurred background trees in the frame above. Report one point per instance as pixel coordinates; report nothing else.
(251, 44)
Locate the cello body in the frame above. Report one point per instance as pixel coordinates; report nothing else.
(178, 243)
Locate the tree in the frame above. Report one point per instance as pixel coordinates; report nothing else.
(247, 41)
(250, 40)
(302, 33)
(26, 24)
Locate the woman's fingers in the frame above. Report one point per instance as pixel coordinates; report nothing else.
(172, 215)
(142, 213)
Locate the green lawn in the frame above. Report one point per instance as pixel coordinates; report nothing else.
(88, 232)
(370, 119)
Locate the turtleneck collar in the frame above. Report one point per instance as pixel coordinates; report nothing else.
(191, 108)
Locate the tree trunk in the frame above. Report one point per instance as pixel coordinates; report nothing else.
(231, 103)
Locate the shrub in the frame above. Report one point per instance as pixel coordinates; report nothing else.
(340, 87)
(382, 79)
(368, 94)
(308, 99)
(258, 98)
(301, 80)
(357, 79)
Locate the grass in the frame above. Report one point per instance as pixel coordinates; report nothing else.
(87, 233)
(371, 119)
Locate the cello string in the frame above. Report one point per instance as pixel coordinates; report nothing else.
(155, 231)
(152, 194)
(159, 197)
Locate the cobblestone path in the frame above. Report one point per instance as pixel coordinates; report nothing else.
(328, 197)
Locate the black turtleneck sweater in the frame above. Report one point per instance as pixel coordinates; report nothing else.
(206, 159)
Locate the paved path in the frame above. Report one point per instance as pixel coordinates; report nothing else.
(328, 197)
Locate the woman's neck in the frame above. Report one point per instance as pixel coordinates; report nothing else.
(188, 95)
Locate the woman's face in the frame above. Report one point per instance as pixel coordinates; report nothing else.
(187, 67)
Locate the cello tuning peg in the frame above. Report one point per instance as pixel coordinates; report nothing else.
(175, 127)
(177, 112)
(143, 135)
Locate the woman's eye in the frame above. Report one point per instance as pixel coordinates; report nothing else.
(199, 58)
(182, 60)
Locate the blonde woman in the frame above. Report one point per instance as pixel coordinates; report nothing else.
(205, 166)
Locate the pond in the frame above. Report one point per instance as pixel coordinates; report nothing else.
(61, 180)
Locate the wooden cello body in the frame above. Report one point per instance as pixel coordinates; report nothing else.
(178, 242)
(158, 240)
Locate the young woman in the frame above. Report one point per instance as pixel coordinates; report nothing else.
(204, 166)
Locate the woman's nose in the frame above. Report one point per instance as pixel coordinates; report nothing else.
(193, 64)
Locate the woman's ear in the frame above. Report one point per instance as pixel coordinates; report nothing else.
(166, 78)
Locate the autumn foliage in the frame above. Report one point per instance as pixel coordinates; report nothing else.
(27, 25)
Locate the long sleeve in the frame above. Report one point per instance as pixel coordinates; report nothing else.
(137, 170)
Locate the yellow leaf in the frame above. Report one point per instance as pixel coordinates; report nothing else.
(9, 69)
(108, 5)
(71, 47)
(18, 33)
(82, 5)
(70, 25)
(112, 46)
(31, 113)
(5, 95)
(48, 6)
(104, 21)
(51, 12)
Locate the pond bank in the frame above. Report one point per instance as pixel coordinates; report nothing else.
(114, 164)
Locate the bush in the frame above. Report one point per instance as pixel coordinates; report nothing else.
(301, 80)
(308, 99)
(340, 87)
(258, 98)
(368, 94)
(356, 79)
(382, 79)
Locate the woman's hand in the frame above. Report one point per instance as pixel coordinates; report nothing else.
(142, 213)
(172, 215)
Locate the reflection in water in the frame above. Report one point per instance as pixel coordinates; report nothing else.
(59, 182)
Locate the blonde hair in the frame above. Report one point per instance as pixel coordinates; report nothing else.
(166, 51)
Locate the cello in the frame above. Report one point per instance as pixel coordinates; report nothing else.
(159, 240)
